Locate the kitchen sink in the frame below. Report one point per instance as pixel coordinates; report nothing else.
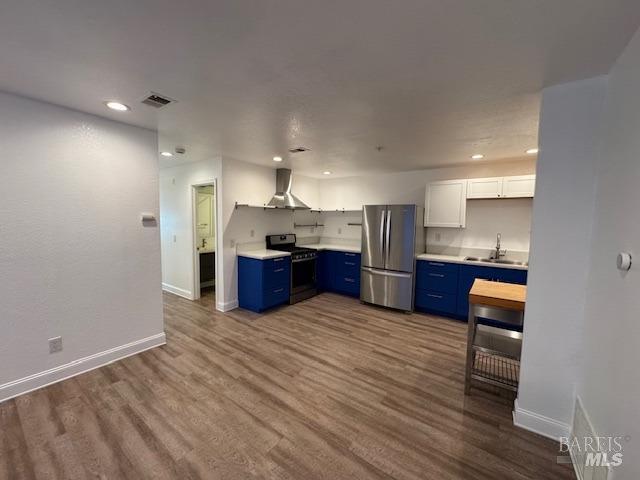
(494, 260)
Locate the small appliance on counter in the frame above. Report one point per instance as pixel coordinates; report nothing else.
(303, 266)
(392, 236)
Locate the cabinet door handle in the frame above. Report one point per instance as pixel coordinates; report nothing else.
(279, 270)
(349, 263)
(433, 295)
(440, 275)
(278, 290)
(435, 264)
(350, 280)
(350, 254)
(278, 259)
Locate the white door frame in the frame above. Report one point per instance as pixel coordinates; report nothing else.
(194, 233)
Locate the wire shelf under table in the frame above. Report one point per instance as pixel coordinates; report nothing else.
(496, 370)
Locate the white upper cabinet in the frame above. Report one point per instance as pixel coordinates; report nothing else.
(521, 186)
(446, 204)
(484, 187)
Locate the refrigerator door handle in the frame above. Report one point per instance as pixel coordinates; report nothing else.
(382, 227)
(386, 273)
(388, 241)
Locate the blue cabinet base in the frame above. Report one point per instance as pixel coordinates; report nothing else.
(263, 284)
(443, 288)
(339, 272)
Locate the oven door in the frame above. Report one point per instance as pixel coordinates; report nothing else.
(303, 279)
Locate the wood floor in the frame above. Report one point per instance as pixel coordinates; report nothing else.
(326, 389)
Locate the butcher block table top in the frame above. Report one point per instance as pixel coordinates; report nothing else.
(509, 296)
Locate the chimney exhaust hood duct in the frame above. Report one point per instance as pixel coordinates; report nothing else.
(283, 197)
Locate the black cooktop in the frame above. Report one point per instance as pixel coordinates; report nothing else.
(291, 248)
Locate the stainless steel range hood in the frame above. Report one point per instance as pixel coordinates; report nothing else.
(283, 197)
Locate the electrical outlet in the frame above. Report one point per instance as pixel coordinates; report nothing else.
(55, 344)
(175, 238)
(173, 181)
(252, 233)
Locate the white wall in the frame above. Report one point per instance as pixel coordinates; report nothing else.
(610, 385)
(252, 184)
(511, 217)
(176, 222)
(75, 259)
(582, 332)
(407, 187)
(559, 259)
(485, 218)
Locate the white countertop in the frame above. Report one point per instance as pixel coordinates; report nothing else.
(207, 250)
(334, 247)
(263, 254)
(461, 260)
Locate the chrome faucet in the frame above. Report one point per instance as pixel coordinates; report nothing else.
(498, 251)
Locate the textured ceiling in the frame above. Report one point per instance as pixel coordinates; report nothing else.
(431, 81)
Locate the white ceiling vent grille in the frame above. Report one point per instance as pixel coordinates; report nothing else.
(157, 101)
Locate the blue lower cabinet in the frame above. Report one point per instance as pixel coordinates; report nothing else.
(263, 284)
(340, 272)
(469, 273)
(437, 276)
(436, 302)
(444, 287)
(322, 271)
(437, 287)
(348, 285)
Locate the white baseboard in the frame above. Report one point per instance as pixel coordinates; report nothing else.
(181, 292)
(76, 367)
(534, 422)
(226, 306)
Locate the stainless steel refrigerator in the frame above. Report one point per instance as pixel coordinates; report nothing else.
(392, 235)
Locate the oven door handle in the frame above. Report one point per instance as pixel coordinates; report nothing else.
(308, 259)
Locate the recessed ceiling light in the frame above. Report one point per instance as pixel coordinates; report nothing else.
(166, 154)
(120, 107)
(326, 172)
(277, 159)
(532, 151)
(477, 156)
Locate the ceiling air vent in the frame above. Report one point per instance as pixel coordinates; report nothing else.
(157, 101)
(299, 150)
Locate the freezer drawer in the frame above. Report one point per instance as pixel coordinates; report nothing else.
(386, 288)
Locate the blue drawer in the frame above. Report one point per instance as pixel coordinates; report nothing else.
(346, 263)
(443, 277)
(436, 301)
(275, 296)
(277, 272)
(435, 266)
(350, 263)
(349, 284)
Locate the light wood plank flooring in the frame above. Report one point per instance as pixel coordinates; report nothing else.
(326, 389)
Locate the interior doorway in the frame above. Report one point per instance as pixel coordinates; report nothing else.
(205, 242)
